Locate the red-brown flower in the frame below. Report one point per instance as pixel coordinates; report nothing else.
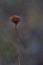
(15, 19)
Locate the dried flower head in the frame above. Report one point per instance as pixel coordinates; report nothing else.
(15, 19)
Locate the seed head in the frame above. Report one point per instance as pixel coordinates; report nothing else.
(15, 19)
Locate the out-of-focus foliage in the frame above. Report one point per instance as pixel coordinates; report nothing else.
(8, 50)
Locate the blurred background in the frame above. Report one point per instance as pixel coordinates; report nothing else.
(30, 32)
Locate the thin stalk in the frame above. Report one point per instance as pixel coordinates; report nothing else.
(17, 45)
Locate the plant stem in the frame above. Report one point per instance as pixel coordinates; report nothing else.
(17, 45)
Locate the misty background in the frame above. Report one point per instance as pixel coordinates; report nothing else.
(30, 32)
